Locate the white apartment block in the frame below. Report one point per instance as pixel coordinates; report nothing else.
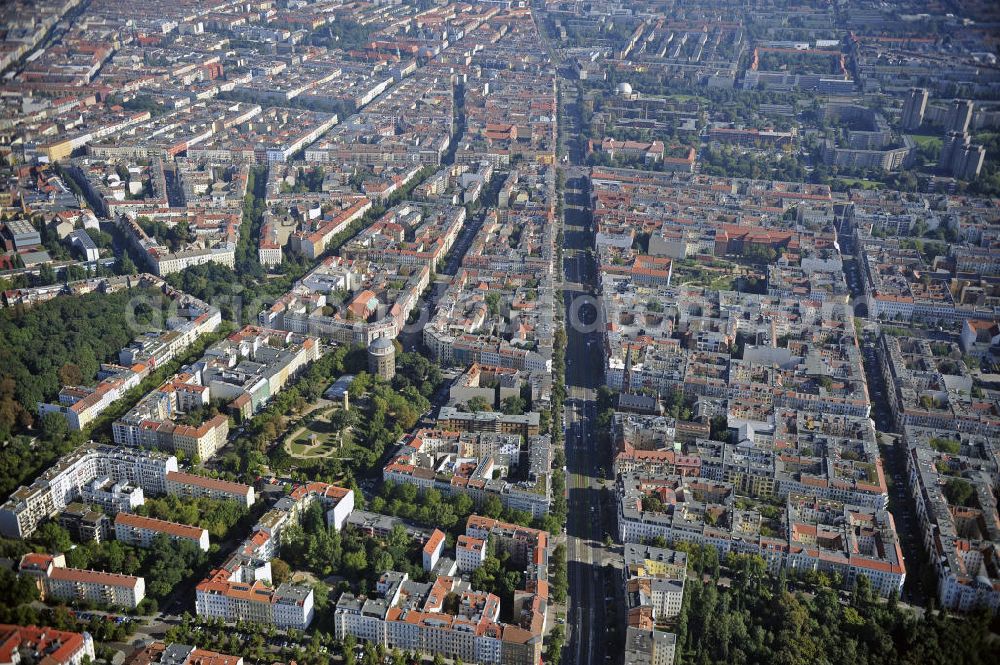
(432, 549)
(470, 553)
(64, 483)
(194, 486)
(288, 606)
(60, 647)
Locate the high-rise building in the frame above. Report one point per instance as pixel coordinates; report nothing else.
(959, 116)
(959, 158)
(968, 162)
(913, 108)
(954, 144)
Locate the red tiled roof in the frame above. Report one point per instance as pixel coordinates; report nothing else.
(59, 646)
(207, 483)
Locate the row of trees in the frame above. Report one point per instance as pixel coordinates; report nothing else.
(216, 516)
(259, 643)
(559, 574)
(512, 405)
(254, 642)
(428, 508)
(346, 34)
(988, 182)
(17, 595)
(175, 236)
(553, 522)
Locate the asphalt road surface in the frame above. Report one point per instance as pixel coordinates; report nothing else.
(585, 460)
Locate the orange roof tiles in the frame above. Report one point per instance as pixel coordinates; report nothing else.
(160, 526)
(208, 483)
(434, 542)
(59, 646)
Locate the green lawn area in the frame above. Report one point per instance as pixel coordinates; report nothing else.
(923, 140)
(862, 182)
(723, 283)
(687, 98)
(706, 278)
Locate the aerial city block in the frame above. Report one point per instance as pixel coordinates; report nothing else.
(499, 332)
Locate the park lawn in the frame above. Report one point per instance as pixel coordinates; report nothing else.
(687, 98)
(924, 140)
(326, 442)
(862, 182)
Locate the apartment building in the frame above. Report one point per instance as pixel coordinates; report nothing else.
(313, 243)
(649, 646)
(173, 653)
(193, 486)
(112, 497)
(654, 584)
(80, 405)
(22, 644)
(240, 589)
(226, 596)
(452, 419)
(71, 584)
(85, 524)
(813, 534)
(648, 152)
(66, 481)
(141, 531)
(470, 553)
(432, 549)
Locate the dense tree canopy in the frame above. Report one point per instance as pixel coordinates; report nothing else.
(758, 620)
(350, 554)
(66, 336)
(215, 516)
